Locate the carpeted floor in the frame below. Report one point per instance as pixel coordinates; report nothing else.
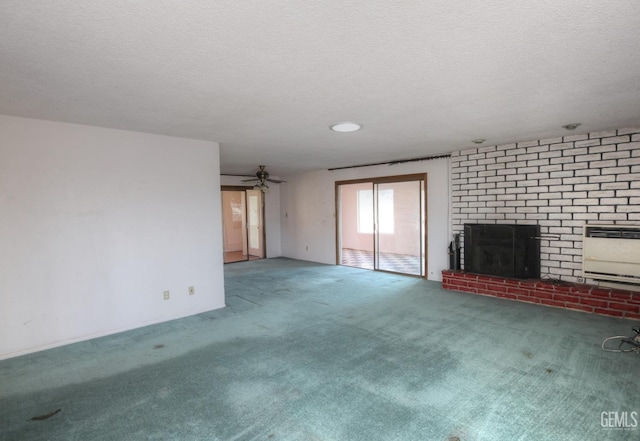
(313, 352)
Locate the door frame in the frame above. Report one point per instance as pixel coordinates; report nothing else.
(385, 180)
(263, 237)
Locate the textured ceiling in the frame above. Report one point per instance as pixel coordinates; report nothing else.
(266, 78)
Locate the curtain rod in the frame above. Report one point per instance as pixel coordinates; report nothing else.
(398, 161)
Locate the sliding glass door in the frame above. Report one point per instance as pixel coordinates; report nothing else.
(381, 224)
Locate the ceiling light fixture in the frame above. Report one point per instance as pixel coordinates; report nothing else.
(345, 127)
(478, 141)
(571, 126)
(262, 185)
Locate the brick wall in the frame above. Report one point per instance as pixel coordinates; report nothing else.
(560, 184)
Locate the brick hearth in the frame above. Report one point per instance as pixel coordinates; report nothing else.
(578, 297)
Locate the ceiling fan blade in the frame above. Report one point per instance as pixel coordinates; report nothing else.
(277, 181)
(249, 180)
(238, 175)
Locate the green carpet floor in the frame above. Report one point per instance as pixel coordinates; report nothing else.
(313, 352)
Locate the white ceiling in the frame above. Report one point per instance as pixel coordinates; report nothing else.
(266, 78)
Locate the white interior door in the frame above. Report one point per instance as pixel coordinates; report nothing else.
(255, 222)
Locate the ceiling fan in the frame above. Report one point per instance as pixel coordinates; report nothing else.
(262, 177)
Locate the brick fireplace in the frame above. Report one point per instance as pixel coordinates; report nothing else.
(559, 184)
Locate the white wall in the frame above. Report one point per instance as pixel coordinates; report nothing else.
(308, 211)
(271, 212)
(95, 224)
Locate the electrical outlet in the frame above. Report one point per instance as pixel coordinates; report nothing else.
(192, 290)
(166, 295)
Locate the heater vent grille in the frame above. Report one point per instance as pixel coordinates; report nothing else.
(612, 252)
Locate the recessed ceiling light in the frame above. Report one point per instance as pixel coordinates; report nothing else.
(478, 141)
(571, 126)
(345, 127)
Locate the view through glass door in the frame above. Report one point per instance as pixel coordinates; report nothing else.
(381, 224)
(399, 233)
(356, 225)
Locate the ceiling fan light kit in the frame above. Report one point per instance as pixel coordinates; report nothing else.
(261, 186)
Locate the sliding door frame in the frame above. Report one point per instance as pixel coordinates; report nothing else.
(385, 180)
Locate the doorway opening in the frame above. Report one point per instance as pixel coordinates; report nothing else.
(243, 224)
(381, 224)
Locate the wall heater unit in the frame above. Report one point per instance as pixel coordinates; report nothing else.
(611, 252)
